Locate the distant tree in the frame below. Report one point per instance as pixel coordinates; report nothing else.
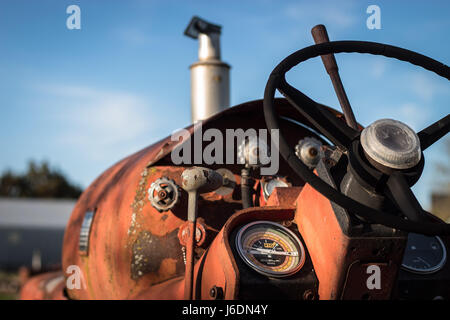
(39, 181)
(441, 197)
(443, 169)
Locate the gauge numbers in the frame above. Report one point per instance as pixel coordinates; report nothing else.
(424, 254)
(270, 249)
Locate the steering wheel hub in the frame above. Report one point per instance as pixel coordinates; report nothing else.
(392, 144)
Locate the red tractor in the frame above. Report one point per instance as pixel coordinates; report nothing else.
(337, 220)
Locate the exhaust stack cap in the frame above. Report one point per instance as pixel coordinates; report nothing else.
(198, 25)
(208, 35)
(392, 144)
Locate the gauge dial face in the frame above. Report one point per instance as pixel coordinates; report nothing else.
(424, 254)
(270, 249)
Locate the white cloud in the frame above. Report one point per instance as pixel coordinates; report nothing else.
(378, 68)
(426, 86)
(408, 112)
(133, 35)
(413, 115)
(338, 13)
(101, 123)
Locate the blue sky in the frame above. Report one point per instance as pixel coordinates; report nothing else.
(84, 99)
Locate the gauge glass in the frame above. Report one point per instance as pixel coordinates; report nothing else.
(270, 248)
(424, 254)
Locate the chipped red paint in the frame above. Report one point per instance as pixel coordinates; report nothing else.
(122, 262)
(334, 253)
(217, 267)
(284, 196)
(46, 286)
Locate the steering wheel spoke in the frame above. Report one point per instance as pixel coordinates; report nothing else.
(405, 200)
(433, 133)
(334, 129)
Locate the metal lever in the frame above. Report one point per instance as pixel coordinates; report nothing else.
(320, 35)
(195, 181)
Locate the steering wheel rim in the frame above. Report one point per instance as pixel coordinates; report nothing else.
(346, 135)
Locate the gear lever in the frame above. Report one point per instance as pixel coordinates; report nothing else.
(320, 35)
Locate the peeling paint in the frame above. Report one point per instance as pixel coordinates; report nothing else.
(149, 251)
(139, 201)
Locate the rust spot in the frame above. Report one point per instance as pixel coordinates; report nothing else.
(168, 268)
(139, 201)
(149, 252)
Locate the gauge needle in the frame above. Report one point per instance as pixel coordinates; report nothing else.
(273, 249)
(428, 265)
(269, 251)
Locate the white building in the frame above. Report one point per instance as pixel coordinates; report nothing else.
(31, 231)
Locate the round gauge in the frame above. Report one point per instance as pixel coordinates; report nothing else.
(424, 254)
(270, 185)
(270, 249)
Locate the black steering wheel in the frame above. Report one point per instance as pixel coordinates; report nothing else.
(392, 182)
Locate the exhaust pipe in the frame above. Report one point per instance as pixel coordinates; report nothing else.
(210, 77)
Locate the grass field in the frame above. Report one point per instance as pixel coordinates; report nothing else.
(8, 296)
(9, 285)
